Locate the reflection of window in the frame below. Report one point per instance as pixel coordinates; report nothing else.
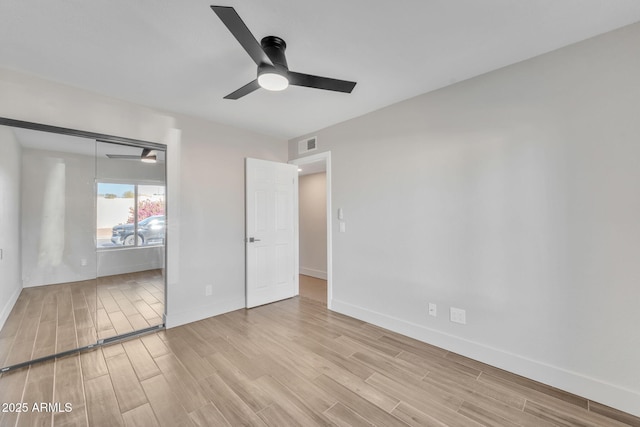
(130, 215)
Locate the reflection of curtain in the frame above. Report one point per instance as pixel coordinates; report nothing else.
(53, 211)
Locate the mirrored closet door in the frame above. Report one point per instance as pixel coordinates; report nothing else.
(55, 310)
(130, 238)
(82, 235)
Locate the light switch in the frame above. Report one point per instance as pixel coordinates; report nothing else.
(343, 227)
(340, 213)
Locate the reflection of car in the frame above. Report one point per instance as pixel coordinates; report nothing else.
(150, 231)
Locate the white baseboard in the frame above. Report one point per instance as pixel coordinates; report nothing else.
(313, 273)
(193, 315)
(8, 306)
(576, 383)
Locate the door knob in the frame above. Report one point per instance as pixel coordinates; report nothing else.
(253, 239)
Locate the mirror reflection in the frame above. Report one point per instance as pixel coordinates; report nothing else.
(130, 235)
(82, 230)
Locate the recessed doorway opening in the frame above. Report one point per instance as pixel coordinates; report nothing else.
(314, 201)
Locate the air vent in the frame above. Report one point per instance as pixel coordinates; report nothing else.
(307, 145)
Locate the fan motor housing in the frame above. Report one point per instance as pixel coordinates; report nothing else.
(274, 47)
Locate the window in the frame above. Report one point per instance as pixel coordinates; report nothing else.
(130, 215)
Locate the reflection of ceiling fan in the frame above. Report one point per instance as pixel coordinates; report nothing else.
(273, 71)
(147, 156)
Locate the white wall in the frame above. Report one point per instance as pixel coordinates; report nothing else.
(211, 203)
(64, 250)
(10, 284)
(126, 171)
(205, 183)
(515, 196)
(77, 230)
(312, 201)
(129, 260)
(31, 99)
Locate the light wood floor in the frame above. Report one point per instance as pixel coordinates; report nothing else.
(129, 302)
(291, 363)
(51, 319)
(314, 288)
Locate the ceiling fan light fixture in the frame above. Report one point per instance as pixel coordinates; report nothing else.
(148, 156)
(273, 71)
(273, 81)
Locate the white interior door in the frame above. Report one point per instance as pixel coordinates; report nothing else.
(272, 231)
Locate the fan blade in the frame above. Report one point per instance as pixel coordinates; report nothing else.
(244, 90)
(307, 80)
(238, 28)
(123, 156)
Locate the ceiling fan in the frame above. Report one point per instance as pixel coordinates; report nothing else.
(273, 71)
(147, 156)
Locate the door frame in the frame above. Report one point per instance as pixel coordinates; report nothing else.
(326, 157)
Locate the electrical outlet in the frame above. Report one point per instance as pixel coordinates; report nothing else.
(208, 290)
(433, 309)
(458, 315)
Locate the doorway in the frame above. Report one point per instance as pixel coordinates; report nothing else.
(315, 249)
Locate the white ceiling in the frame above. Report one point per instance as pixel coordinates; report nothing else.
(39, 140)
(178, 56)
(311, 168)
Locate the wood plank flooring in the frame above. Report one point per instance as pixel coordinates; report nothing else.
(129, 302)
(314, 288)
(291, 363)
(51, 319)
